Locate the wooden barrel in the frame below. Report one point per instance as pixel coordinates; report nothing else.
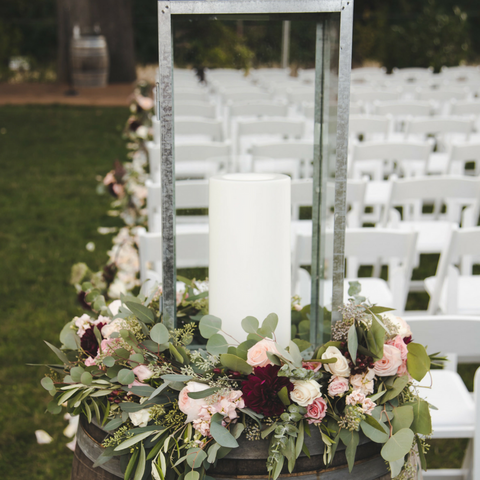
(247, 461)
(89, 59)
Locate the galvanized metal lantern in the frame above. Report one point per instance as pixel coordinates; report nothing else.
(321, 37)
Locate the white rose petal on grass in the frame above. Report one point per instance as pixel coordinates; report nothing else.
(71, 429)
(90, 246)
(43, 437)
(71, 445)
(106, 230)
(305, 392)
(339, 368)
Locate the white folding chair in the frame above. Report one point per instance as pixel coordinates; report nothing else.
(189, 194)
(363, 246)
(413, 74)
(370, 127)
(444, 129)
(433, 228)
(454, 290)
(191, 245)
(198, 129)
(368, 96)
(290, 157)
(460, 155)
(457, 412)
(195, 109)
(196, 94)
(380, 159)
(202, 160)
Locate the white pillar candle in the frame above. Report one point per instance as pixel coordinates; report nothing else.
(250, 260)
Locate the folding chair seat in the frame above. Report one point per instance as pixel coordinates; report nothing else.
(369, 127)
(454, 289)
(457, 412)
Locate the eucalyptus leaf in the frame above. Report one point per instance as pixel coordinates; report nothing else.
(242, 349)
(237, 430)
(422, 421)
(195, 457)
(295, 354)
(129, 442)
(126, 376)
(52, 407)
(159, 333)
(250, 324)
(284, 397)
(352, 343)
(173, 377)
(236, 364)
(209, 325)
(396, 466)
(302, 344)
(270, 323)
(192, 475)
(158, 390)
(109, 361)
(350, 440)
(398, 385)
(58, 353)
(375, 339)
(212, 453)
(141, 312)
(418, 361)
(203, 393)
(47, 383)
(220, 434)
(86, 378)
(421, 453)
(402, 417)
(141, 391)
(217, 344)
(398, 445)
(176, 354)
(113, 424)
(374, 434)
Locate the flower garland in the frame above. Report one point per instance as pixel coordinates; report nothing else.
(169, 408)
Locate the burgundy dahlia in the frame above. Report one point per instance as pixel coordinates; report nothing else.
(88, 342)
(407, 340)
(260, 390)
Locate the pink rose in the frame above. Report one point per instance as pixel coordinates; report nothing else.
(190, 406)
(338, 386)
(315, 366)
(146, 103)
(257, 355)
(403, 327)
(400, 344)
(316, 411)
(402, 369)
(388, 365)
(142, 372)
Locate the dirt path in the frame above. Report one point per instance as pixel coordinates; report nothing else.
(48, 93)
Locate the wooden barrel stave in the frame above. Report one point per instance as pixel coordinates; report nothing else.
(246, 462)
(89, 59)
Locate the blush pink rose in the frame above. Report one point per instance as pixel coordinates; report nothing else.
(368, 406)
(190, 406)
(142, 372)
(316, 411)
(400, 344)
(388, 365)
(338, 386)
(355, 397)
(257, 355)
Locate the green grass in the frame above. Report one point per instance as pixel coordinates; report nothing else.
(49, 158)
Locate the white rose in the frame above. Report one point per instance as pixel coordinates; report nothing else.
(142, 131)
(114, 326)
(403, 328)
(140, 418)
(305, 392)
(340, 368)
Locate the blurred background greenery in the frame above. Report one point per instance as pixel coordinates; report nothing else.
(404, 33)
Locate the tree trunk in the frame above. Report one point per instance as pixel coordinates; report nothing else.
(111, 18)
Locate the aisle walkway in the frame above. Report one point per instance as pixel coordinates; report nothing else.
(115, 95)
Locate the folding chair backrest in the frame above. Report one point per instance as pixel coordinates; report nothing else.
(195, 109)
(468, 152)
(403, 108)
(470, 107)
(213, 129)
(432, 126)
(258, 109)
(191, 194)
(245, 95)
(448, 334)
(286, 128)
(452, 191)
(441, 94)
(201, 151)
(368, 124)
(190, 95)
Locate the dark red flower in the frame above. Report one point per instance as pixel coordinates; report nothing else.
(88, 342)
(81, 299)
(407, 340)
(260, 390)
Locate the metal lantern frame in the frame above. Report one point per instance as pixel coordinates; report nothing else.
(342, 10)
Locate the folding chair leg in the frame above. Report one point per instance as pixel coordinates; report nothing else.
(467, 463)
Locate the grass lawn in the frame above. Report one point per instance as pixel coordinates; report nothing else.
(49, 158)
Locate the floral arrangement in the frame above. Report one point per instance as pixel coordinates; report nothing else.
(174, 409)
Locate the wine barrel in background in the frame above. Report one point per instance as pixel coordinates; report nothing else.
(89, 58)
(247, 461)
